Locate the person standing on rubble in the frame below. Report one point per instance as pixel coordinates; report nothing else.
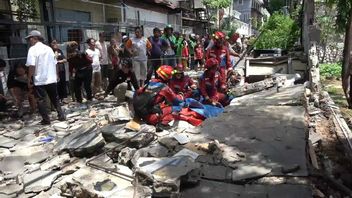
(139, 47)
(181, 83)
(101, 45)
(80, 65)
(95, 55)
(169, 53)
(221, 53)
(209, 85)
(42, 75)
(153, 102)
(122, 81)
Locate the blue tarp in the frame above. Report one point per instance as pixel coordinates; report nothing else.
(208, 111)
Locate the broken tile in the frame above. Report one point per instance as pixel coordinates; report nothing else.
(84, 142)
(181, 138)
(39, 180)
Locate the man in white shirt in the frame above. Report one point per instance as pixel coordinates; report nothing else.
(101, 45)
(95, 55)
(42, 75)
(139, 46)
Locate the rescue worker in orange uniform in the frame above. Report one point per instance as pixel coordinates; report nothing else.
(181, 83)
(221, 53)
(153, 102)
(209, 84)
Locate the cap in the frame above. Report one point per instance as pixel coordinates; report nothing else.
(33, 33)
(125, 37)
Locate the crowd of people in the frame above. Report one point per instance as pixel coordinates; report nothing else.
(153, 68)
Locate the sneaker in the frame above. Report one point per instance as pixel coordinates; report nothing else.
(44, 122)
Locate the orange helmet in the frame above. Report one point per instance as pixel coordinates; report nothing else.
(165, 72)
(219, 35)
(179, 68)
(211, 62)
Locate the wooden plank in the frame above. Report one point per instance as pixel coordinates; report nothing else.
(313, 156)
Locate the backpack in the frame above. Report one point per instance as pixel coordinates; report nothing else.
(143, 103)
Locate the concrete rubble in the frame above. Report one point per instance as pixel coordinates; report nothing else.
(222, 158)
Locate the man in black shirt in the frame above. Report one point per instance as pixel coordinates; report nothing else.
(124, 79)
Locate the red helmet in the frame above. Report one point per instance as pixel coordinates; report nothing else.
(179, 68)
(219, 35)
(165, 72)
(211, 62)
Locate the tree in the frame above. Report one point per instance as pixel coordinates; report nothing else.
(213, 7)
(25, 9)
(280, 31)
(344, 24)
(217, 4)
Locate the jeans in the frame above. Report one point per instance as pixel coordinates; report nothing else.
(84, 77)
(40, 93)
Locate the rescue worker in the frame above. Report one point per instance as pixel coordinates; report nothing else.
(221, 53)
(181, 83)
(153, 102)
(209, 84)
(122, 81)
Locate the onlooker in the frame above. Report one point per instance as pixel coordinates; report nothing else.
(61, 71)
(169, 54)
(124, 80)
(104, 61)
(124, 51)
(3, 99)
(199, 56)
(81, 70)
(139, 46)
(156, 52)
(42, 74)
(17, 83)
(95, 55)
(185, 55)
(113, 52)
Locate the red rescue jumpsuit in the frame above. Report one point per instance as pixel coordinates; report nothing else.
(222, 54)
(182, 85)
(164, 98)
(208, 86)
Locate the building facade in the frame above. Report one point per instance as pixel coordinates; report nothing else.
(252, 12)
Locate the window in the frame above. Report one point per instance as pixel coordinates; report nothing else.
(75, 35)
(240, 2)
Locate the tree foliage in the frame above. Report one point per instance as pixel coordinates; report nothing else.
(280, 31)
(275, 5)
(217, 4)
(25, 9)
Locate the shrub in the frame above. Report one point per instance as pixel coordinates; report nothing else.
(330, 69)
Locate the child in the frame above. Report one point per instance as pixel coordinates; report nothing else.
(185, 54)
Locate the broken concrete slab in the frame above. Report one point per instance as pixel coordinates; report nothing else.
(164, 173)
(84, 142)
(218, 173)
(125, 155)
(13, 164)
(120, 113)
(39, 180)
(60, 126)
(82, 183)
(246, 172)
(253, 135)
(72, 115)
(214, 189)
(6, 142)
(170, 142)
(117, 133)
(11, 190)
(56, 162)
